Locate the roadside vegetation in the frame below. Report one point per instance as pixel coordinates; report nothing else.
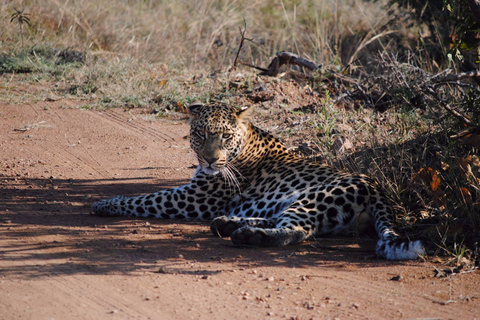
(384, 100)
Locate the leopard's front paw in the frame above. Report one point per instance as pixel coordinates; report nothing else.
(108, 207)
(223, 226)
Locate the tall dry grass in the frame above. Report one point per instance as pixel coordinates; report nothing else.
(133, 47)
(201, 35)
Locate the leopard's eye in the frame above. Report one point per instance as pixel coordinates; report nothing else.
(226, 136)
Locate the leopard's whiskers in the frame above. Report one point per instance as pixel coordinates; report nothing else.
(229, 173)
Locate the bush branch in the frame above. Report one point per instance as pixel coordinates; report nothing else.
(242, 34)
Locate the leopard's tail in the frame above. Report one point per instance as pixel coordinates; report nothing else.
(392, 247)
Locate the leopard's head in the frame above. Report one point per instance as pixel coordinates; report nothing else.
(217, 134)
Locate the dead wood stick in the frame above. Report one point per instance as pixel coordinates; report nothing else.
(460, 76)
(242, 34)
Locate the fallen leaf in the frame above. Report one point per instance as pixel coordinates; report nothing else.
(430, 179)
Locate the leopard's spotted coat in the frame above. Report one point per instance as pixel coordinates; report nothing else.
(259, 194)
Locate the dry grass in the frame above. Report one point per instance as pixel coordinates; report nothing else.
(142, 52)
(204, 35)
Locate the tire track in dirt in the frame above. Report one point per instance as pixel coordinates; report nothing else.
(83, 145)
(133, 125)
(139, 133)
(74, 157)
(62, 154)
(157, 135)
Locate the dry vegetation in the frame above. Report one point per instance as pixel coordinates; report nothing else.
(366, 109)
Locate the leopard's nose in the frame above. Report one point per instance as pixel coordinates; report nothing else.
(210, 160)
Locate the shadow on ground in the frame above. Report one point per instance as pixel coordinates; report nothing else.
(48, 229)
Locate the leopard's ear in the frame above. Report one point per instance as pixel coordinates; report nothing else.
(194, 107)
(244, 115)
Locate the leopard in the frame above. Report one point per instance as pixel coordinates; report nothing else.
(254, 190)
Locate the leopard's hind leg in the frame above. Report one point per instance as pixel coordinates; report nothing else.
(270, 237)
(224, 226)
(285, 230)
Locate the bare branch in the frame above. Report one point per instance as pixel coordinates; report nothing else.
(242, 34)
(459, 76)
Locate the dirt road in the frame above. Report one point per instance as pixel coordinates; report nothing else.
(57, 261)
